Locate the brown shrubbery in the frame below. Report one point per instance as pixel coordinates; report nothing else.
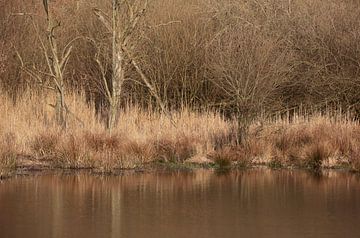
(141, 138)
(223, 68)
(312, 141)
(8, 151)
(237, 56)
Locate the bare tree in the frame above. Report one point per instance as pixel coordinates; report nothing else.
(121, 32)
(247, 69)
(56, 61)
(122, 24)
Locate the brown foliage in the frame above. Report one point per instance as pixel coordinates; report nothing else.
(247, 58)
(229, 155)
(177, 150)
(45, 143)
(8, 151)
(267, 54)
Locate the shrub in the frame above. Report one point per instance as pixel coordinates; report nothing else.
(174, 150)
(102, 141)
(315, 155)
(45, 144)
(8, 153)
(224, 158)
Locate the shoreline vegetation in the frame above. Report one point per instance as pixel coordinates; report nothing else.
(31, 140)
(111, 85)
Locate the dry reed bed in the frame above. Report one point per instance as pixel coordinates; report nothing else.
(27, 130)
(310, 141)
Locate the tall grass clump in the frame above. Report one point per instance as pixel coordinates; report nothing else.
(229, 156)
(8, 150)
(315, 156)
(140, 137)
(144, 136)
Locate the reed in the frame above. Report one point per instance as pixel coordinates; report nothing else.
(140, 136)
(28, 130)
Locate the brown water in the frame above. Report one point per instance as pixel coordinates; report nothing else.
(260, 203)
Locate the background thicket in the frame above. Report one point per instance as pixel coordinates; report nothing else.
(236, 56)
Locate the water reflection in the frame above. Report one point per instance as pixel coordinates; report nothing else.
(252, 203)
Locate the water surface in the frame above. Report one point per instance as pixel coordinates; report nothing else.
(254, 203)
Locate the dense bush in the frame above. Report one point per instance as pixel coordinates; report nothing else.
(237, 56)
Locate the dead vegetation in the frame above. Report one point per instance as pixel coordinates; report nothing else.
(142, 137)
(313, 141)
(235, 56)
(193, 79)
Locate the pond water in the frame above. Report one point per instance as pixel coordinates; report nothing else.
(252, 203)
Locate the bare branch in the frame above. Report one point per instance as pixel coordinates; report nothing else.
(103, 18)
(65, 58)
(151, 88)
(164, 24)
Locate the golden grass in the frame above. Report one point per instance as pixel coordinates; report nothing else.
(28, 130)
(313, 141)
(140, 136)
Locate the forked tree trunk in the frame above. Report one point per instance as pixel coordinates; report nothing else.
(56, 62)
(242, 130)
(118, 75)
(117, 83)
(243, 120)
(122, 31)
(60, 109)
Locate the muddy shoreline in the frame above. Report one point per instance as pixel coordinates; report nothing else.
(27, 166)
